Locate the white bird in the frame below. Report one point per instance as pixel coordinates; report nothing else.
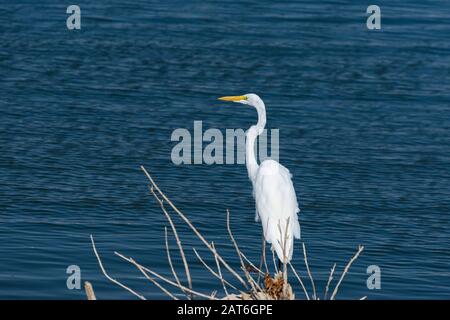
(275, 199)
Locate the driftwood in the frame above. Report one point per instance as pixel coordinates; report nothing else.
(264, 287)
(89, 291)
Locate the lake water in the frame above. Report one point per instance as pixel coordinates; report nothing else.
(364, 119)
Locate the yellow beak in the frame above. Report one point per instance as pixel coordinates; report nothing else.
(233, 98)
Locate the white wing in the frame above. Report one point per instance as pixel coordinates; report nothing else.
(276, 204)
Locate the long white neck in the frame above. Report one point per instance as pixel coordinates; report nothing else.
(252, 135)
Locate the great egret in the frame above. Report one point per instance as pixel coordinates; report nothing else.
(275, 199)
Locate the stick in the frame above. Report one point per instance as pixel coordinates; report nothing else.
(153, 273)
(247, 274)
(156, 283)
(175, 233)
(111, 279)
(309, 272)
(198, 234)
(219, 270)
(330, 278)
(211, 270)
(89, 291)
(347, 267)
(251, 264)
(299, 280)
(285, 275)
(170, 262)
(273, 258)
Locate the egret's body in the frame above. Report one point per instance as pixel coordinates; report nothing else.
(275, 198)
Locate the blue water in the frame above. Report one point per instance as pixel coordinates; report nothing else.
(364, 119)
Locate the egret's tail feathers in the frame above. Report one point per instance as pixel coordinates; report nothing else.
(296, 229)
(256, 215)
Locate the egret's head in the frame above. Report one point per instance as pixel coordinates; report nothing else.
(249, 98)
(254, 101)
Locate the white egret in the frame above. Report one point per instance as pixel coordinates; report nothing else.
(275, 199)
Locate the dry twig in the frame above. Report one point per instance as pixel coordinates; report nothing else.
(330, 278)
(89, 291)
(347, 267)
(188, 222)
(112, 279)
(309, 272)
(157, 275)
(169, 259)
(175, 233)
(250, 280)
(211, 270)
(219, 270)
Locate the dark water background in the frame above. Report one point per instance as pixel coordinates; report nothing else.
(364, 119)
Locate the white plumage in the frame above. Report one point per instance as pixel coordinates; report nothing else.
(276, 204)
(275, 199)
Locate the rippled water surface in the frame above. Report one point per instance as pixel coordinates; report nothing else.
(364, 119)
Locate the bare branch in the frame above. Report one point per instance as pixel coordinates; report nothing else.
(309, 273)
(211, 270)
(251, 264)
(188, 222)
(156, 283)
(170, 262)
(247, 274)
(300, 281)
(153, 273)
(273, 259)
(175, 233)
(347, 267)
(330, 278)
(111, 279)
(219, 270)
(286, 237)
(89, 291)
